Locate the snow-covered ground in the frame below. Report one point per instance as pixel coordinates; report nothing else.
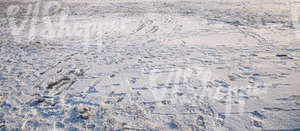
(150, 65)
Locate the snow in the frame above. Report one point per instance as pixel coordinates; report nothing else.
(149, 65)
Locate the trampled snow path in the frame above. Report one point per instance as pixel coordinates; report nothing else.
(151, 65)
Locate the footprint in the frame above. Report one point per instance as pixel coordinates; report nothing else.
(58, 83)
(91, 89)
(231, 78)
(112, 75)
(132, 80)
(257, 119)
(201, 122)
(293, 98)
(78, 114)
(258, 115)
(173, 125)
(154, 29)
(36, 102)
(283, 56)
(257, 123)
(140, 27)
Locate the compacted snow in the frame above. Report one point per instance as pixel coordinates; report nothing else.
(150, 65)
